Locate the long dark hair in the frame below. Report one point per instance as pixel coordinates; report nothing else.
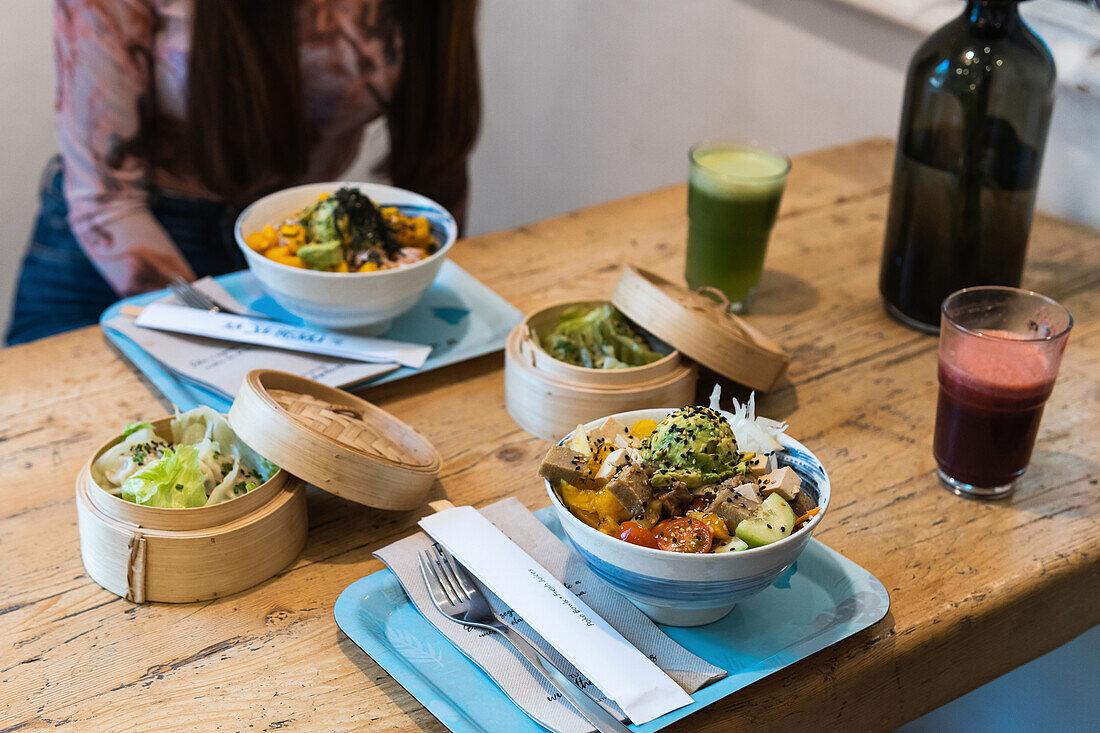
(245, 123)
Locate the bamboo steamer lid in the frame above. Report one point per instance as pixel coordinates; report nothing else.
(700, 328)
(334, 440)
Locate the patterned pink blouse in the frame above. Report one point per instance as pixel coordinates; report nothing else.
(123, 63)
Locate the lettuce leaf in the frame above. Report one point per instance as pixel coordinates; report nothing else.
(134, 427)
(175, 481)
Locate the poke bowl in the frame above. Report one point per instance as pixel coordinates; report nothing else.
(688, 587)
(373, 285)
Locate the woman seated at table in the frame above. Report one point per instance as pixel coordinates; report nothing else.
(173, 114)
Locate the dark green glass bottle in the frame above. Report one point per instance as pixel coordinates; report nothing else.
(974, 122)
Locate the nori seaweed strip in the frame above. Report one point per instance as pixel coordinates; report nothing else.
(364, 222)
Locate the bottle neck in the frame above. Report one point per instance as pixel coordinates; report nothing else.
(992, 17)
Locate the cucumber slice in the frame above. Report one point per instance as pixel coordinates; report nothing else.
(773, 521)
(733, 544)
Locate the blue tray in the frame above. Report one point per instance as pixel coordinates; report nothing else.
(822, 599)
(459, 317)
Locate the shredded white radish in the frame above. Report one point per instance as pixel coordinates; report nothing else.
(756, 434)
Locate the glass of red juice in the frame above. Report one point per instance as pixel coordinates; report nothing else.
(1000, 349)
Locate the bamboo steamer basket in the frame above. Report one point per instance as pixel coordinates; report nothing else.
(147, 553)
(548, 398)
(316, 434)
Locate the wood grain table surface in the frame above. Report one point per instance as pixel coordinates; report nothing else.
(976, 588)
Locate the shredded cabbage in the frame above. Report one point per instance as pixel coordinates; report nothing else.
(756, 434)
(204, 464)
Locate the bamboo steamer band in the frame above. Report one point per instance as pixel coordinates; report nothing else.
(335, 440)
(165, 563)
(700, 328)
(135, 568)
(548, 406)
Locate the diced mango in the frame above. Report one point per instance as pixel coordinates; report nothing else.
(292, 261)
(577, 498)
(643, 428)
(341, 266)
(368, 267)
(590, 518)
(717, 525)
(258, 241)
(607, 506)
(595, 507)
(277, 252)
(608, 526)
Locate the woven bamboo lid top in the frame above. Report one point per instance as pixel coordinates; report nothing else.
(334, 440)
(701, 328)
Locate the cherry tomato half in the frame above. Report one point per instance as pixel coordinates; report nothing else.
(683, 534)
(636, 534)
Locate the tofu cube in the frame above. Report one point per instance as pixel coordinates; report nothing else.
(611, 465)
(562, 463)
(609, 431)
(758, 466)
(783, 481)
(750, 493)
(631, 487)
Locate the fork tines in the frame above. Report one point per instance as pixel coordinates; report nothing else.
(191, 295)
(437, 565)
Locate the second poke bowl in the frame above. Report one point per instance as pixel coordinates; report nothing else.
(354, 283)
(690, 587)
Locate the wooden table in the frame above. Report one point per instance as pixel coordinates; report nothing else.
(976, 588)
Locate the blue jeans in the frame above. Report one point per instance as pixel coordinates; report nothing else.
(59, 289)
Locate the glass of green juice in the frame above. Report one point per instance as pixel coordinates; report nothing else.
(733, 196)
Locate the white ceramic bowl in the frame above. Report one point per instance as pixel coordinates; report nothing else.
(681, 589)
(344, 300)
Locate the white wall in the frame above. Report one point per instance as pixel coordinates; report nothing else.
(588, 101)
(26, 129)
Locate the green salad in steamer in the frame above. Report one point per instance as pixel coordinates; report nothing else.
(204, 463)
(597, 337)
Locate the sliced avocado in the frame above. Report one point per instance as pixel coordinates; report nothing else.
(322, 255)
(772, 522)
(323, 224)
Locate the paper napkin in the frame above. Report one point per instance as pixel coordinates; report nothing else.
(519, 680)
(263, 332)
(221, 366)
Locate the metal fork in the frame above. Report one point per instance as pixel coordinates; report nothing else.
(457, 596)
(195, 298)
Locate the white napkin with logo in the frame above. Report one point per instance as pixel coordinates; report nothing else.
(516, 677)
(221, 366)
